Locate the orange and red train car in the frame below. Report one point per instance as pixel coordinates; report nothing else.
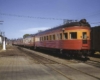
(70, 39)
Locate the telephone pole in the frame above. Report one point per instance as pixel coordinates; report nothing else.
(4, 42)
(3, 37)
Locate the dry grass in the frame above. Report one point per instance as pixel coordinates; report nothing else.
(8, 47)
(97, 53)
(0, 47)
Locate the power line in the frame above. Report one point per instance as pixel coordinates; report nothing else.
(95, 23)
(30, 16)
(1, 22)
(64, 20)
(40, 17)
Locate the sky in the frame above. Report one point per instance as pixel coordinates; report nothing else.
(29, 16)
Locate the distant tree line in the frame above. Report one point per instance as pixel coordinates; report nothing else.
(25, 35)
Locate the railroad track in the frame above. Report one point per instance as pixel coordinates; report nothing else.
(94, 59)
(91, 62)
(45, 61)
(61, 68)
(94, 62)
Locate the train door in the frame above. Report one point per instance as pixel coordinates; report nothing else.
(60, 40)
(84, 39)
(33, 40)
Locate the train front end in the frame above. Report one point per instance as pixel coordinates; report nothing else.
(77, 39)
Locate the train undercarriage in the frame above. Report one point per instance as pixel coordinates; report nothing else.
(68, 53)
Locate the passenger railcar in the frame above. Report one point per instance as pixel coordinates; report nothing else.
(18, 42)
(70, 39)
(29, 41)
(95, 39)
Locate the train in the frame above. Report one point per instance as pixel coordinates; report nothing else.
(95, 39)
(70, 39)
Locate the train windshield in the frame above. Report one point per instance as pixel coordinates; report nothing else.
(84, 35)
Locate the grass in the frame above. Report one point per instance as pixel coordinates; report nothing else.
(0, 46)
(8, 47)
(97, 53)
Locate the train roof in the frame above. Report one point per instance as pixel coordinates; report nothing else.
(72, 24)
(96, 27)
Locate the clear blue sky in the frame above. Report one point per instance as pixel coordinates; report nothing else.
(15, 26)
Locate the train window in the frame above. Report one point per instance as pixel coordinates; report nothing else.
(53, 37)
(50, 37)
(47, 37)
(65, 35)
(60, 35)
(84, 35)
(73, 35)
(42, 38)
(57, 36)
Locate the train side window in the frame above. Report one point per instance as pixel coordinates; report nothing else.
(53, 37)
(73, 35)
(40, 39)
(50, 37)
(65, 35)
(44, 38)
(47, 37)
(60, 35)
(57, 36)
